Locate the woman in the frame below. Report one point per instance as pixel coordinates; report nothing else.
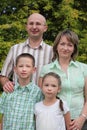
(73, 75)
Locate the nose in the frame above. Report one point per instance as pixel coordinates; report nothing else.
(24, 68)
(65, 47)
(49, 88)
(34, 25)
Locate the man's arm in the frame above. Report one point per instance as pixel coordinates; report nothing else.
(6, 72)
(3, 80)
(8, 86)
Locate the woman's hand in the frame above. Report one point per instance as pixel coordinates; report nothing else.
(77, 123)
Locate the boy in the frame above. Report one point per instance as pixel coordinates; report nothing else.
(18, 107)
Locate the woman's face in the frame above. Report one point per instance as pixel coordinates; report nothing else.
(65, 48)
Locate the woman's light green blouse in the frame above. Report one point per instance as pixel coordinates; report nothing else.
(72, 84)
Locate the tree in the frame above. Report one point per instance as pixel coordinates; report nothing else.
(60, 14)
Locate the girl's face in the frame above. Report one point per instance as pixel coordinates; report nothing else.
(65, 48)
(50, 87)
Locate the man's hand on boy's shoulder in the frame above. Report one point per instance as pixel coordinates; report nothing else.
(8, 86)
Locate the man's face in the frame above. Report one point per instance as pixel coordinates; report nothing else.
(36, 26)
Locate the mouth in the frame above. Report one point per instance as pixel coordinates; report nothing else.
(34, 32)
(23, 73)
(49, 93)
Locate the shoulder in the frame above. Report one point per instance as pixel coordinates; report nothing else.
(46, 68)
(36, 89)
(47, 45)
(49, 65)
(3, 96)
(38, 104)
(81, 63)
(37, 108)
(82, 66)
(21, 44)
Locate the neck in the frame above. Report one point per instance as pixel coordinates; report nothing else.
(49, 101)
(34, 43)
(23, 82)
(64, 63)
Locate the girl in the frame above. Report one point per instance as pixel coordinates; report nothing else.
(52, 113)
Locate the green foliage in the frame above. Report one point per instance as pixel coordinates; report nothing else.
(4, 47)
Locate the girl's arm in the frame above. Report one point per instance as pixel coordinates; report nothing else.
(67, 120)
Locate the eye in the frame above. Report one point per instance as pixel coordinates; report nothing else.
(28, 66)
(46, 85)
(38, 24)
(54, 85)
(31, 23)
(20, 66)
(62, 43)
(70, 44)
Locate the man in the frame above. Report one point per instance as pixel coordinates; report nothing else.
(36, 26)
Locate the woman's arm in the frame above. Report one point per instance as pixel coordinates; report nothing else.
(79, 122)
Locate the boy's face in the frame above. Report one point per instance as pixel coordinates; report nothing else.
(24, 68)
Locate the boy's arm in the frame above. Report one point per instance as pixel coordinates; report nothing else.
(67, 120)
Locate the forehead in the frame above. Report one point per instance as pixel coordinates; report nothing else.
(51, 79)
(25, 60)
(36, 18)
(65, 38)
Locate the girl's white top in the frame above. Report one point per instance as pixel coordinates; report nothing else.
(50, 117)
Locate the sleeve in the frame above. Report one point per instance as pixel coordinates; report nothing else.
(2, 102)
(37, 108)
(85, 70)
(35, 111)
(46, 69)
(7, 68)
(43, 71)
(39, 96)
(66, 108)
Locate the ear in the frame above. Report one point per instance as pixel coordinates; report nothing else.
(34, 70)
(59, 89)
(15, 69)
(45, 28)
